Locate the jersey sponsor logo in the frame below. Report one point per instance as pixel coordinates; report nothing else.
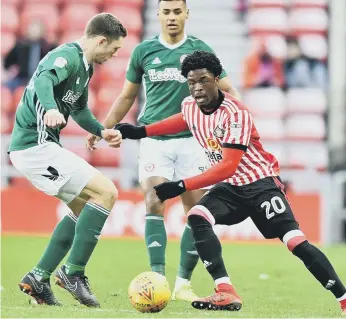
(169, 74)
(60, 62)
(214, 145)
(214, 156)
(71, 97)
(219, 132)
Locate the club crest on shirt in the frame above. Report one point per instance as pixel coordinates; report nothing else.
(219, 132)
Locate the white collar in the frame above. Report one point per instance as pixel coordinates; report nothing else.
(172, 46)
(87, 66)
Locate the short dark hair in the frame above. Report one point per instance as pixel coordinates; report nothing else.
(201, 60)
(107, 25)
(172, 0)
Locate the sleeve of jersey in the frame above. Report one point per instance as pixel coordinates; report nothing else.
(62, 63)
(238, 127)
(218, 173)
(87, 121)
(206, 47)
(171, 125)
(134, 71)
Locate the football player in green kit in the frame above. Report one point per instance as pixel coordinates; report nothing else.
(156, 63)
(59, 88)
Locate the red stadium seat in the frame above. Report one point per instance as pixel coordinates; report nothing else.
(277, 46)
(124, 3)
(306, 100)
(92, 100)
(130, 43)
(11, 2)
(6, 100)
(72, 128)
(258, 22)
(94, 2)
(267, 3)
(8, 41)
(314, 46)
(74, 17)
(17, 95)
(307, 20)
(309, 3)
(265, 102)
(45, 12)
(106, 156)
(70, 36)
(113, 72)
(6, 124)
(105, 98)
(55, 2)
(9, 19)
(130, 17)
(299, 155)
(270, 129)
(305, 127)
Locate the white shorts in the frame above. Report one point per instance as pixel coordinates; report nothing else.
(54, 170)
(172, 159)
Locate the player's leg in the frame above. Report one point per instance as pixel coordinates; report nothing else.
(190, 161)
(274, 218)
(217, 207)
(155, 167)
(102, 195)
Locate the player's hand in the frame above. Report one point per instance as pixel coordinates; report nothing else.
(130, 131)
(112, 137)
(168, 190)
(53, 118)
(91, 141)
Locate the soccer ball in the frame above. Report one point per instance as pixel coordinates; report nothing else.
(149, 292)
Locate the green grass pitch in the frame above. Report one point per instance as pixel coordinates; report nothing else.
(290, 290)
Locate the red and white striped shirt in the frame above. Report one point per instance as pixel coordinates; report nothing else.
(231, 126)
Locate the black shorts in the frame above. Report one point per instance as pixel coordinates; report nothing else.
(264, 201)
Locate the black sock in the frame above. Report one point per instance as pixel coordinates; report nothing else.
(318, 264)
(208, 246)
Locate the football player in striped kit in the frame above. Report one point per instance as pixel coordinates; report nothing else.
(246, 179)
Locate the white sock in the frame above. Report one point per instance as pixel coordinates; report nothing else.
(223, 280)
(179, 282)
(341, 298)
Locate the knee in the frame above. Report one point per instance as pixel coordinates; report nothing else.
(153, 203)
(108, 195)
(294, 239)
(200, 218)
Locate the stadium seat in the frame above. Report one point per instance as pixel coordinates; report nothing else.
(258, 22)
(92, 100)
(17, 95)
(106, 157)
(276, 44)
(70, 36)
(113, 72)
(306, 100)
(6, 100)
(72, 128)
(94, 2)
(314, 46)
(11, 2)
(129, 44)
(124, 3)
(307, 20)
(268, 102)
(74, 17)
(6, 124)
(270, 129)
(9, 19)
(309, 3)
(105, 97)
(131, 17)
(267, 3)
(313, 155)
(8, 41)
(278, 149)
(55, 2)
(46, 12)
(305, 127)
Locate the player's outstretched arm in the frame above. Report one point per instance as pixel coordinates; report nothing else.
(172, 125)
(216, 174)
